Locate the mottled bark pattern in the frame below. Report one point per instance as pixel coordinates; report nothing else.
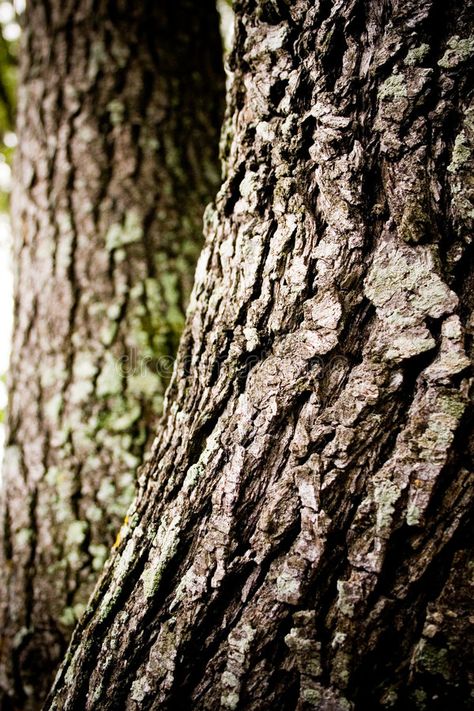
(118, 120)
(301, 541)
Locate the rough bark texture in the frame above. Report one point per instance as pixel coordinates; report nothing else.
(301, 539)
(118, 121)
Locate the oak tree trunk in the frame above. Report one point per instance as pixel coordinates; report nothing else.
(301, 538)
(118, 120)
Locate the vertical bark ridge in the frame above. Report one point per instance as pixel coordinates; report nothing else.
(296, 542)
(119, 111)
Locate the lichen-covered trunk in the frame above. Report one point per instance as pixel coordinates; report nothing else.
(301, 539)
(118, 122)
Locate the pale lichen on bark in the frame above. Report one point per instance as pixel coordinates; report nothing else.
(314, 465)
(119, 111)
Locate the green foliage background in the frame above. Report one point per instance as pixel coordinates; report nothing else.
(8, 80)
(8, 83)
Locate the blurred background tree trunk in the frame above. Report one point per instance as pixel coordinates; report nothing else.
(301, 538)
(119, 111)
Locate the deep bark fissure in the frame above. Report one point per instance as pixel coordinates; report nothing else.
(305, 509)
(118, 120)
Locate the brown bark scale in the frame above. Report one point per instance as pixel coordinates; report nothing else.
(119, 115)
(302, 537)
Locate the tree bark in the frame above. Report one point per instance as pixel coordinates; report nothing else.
(301, 539)
(118, 121)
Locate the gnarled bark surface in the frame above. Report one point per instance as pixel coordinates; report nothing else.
(301, 538)
(118, 120)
